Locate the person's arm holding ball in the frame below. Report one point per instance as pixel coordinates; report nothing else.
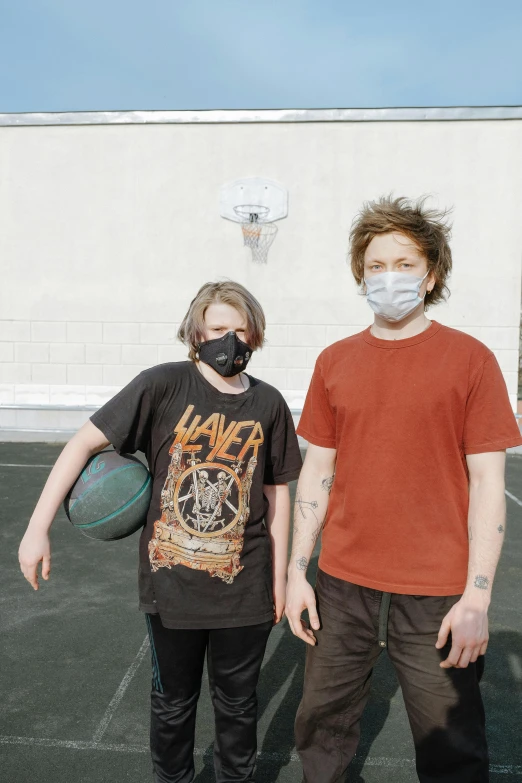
(35, 546)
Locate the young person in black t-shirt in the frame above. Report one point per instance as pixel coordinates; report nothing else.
(221, 447)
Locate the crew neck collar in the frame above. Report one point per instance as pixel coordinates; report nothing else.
(228, 396)
(407, 342)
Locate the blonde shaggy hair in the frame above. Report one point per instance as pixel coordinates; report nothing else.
(227, 292)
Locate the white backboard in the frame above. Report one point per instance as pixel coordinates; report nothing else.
(251, 192)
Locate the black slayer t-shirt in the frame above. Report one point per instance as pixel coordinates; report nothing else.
(205, 555)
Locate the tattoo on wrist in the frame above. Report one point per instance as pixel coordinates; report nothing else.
(327, 483)
(482, 582)
(500, 528)
(302, 564)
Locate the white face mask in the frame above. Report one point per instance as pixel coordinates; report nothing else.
(394, 295)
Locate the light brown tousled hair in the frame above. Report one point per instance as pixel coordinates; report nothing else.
(427, 228)
(227, 292)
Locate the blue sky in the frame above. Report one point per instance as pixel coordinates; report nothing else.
(73, 55)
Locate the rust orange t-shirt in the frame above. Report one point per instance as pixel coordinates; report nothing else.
(403, 415)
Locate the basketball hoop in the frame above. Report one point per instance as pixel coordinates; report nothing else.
(257, 234)
(256, 204)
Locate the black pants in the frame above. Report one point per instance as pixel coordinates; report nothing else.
(444, 705)
(234, 658)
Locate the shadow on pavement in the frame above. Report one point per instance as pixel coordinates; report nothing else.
(285, 670)
(502, 694)
(501, 689)
(383, 689)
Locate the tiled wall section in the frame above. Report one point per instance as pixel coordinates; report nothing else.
(58, 363)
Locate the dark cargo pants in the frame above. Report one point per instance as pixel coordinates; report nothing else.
(444, 705)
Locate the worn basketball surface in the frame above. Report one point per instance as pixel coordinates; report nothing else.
(111, 497)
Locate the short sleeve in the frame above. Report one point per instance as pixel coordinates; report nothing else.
(317, 424)
(126, 420)
(490, 424)
(283, 459)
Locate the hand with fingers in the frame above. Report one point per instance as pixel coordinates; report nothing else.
(35, 548)
(300, 595)
(467, 621)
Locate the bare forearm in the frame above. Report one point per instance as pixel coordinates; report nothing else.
(486, 527)
(486, 524)
(311, 505)
(467, 620)
(278, 524)
(85, 443)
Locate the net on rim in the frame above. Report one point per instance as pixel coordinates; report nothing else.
(258, 235)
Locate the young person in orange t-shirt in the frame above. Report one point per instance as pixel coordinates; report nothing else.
(407, 424)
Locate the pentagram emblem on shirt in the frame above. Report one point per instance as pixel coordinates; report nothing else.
(207, 499)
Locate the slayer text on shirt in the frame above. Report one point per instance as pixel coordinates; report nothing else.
(205, 501)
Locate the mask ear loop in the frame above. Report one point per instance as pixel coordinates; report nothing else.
(423, 279)
(198, 348)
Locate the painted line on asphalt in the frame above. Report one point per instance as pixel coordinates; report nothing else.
(120, 693)
(515, 499)
(377, 761)
(25, 465)
(122, 748)
(43, 742)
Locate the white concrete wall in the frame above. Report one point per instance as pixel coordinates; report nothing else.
(106, 232)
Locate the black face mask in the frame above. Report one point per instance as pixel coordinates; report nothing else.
(226, 355)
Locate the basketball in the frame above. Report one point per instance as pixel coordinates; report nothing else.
(111, 497)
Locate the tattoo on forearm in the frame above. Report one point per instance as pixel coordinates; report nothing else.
(302, 564)
(500, 528)
(482, 582)
(305, 517)
(327, 484)
(317, 532)
(302, 505)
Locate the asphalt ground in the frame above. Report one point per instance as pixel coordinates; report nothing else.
(75, 664)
